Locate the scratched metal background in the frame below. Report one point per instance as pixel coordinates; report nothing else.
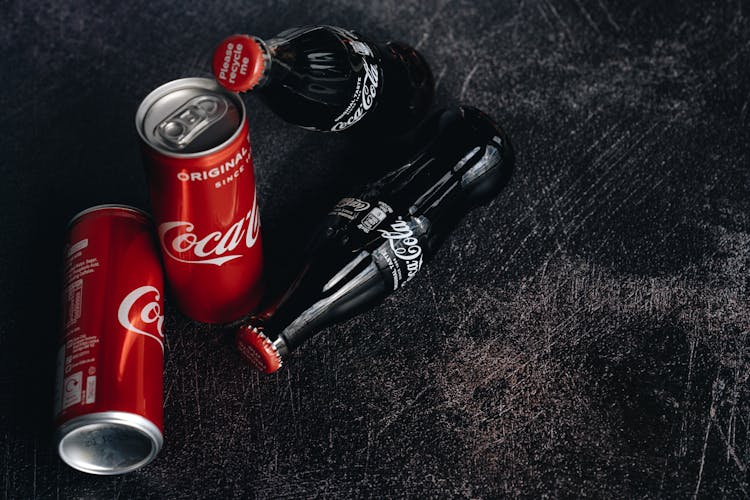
(586, 334)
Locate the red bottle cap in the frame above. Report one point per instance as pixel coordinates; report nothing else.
(238, 63)
(258, 349)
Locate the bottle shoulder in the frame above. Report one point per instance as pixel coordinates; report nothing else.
(322, 77)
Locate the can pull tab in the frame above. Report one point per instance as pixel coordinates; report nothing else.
(181, 128)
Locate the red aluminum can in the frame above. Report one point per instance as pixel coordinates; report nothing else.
(202, 185)
(109, 394)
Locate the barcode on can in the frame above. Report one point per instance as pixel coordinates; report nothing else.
(90, 389)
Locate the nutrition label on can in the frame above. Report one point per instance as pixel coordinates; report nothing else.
(74, 297)
(76, 363)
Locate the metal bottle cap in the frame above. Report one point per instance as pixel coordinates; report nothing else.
(189, 117)
(241, 62)
(258, 349)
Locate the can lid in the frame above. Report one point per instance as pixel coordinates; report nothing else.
(190, 116)
(258, 349)
(239, 62)
(109, 207)
(109, 442)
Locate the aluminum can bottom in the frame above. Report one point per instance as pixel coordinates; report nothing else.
(108, 443)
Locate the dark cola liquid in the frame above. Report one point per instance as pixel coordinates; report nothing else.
(374, 242)
(330, 79)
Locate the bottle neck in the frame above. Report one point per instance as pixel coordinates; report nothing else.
(269, 65)
(280, 346)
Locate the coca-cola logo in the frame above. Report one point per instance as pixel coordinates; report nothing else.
(404, 246)
(140, 312)
(180, 237)
(370, 85)
(402, 241)
(367, 96)
(354, 203)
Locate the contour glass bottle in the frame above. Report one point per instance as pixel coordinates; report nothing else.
(374, 242)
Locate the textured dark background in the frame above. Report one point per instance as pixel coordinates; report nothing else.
(585, 334)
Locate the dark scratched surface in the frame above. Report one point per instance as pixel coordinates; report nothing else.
(584, 335)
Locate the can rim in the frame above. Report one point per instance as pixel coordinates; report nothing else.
(123, 421)
(107, 206)
(171, 86)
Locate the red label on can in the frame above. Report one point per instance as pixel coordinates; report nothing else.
(209, 230)
(205, 207)
(111, 355)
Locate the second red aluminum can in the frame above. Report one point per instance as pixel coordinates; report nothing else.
(108, 401)
(202, 186)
